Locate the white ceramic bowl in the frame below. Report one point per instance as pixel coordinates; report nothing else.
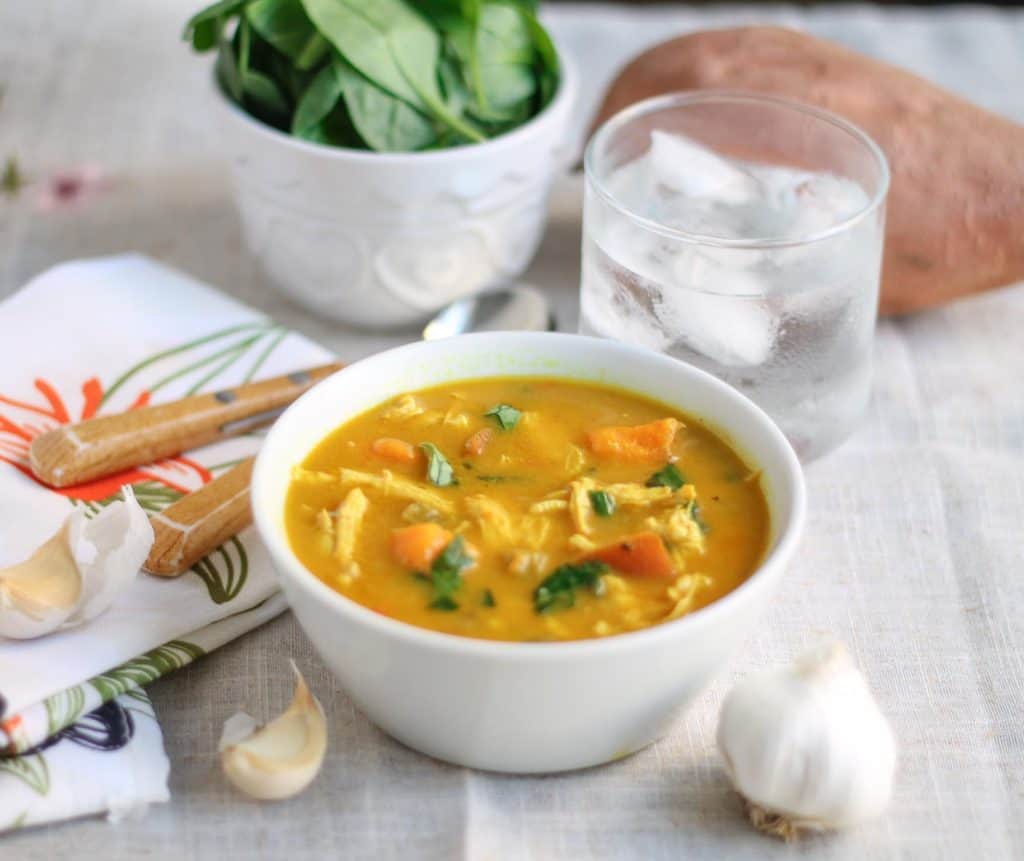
(524, 707)
(385, 239)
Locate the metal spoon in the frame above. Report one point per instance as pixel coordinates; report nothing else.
(518, 308)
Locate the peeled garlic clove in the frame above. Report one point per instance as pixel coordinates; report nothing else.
(38, 595)
(77, 573)
(807, 745)
(282, 758)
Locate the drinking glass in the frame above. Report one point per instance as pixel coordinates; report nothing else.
(741, 233)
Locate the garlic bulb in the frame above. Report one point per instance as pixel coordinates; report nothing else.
(807, 746)
(282, 758)
(77, 573)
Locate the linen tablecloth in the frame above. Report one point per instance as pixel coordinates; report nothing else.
(913, 550)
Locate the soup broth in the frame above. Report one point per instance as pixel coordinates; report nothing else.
(527, 509)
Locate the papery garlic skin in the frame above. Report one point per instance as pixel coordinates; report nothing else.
(77, 573)
(281, 759)
(808, 744)
(110, 551)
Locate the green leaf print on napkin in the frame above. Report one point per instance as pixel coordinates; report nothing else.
(30, 769)
(224, 577)
(146, 668)
(63, 709)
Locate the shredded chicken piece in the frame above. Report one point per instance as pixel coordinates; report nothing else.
(561, 493)
(415, 512)
(499, 529)
(430, 417)
(494, 520)
(581, 542)
(523, 562)
(679, 528)
(324, 522)
(395, 485)
(403, 408)
(313, 476)
(349, 572)
(349, 519)
(579, 505)
(617, 589)
(634, 494)
(546, 505)
(575, 460)
(684, 592)
(454, 418)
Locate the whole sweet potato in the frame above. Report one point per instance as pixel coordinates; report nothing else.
(955, 217)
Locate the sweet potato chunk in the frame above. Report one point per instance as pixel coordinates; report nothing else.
(416, 547)
(396, 450)
(643, 554)
(476, 444)
(649, 442)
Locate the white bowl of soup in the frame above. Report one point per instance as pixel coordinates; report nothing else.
(526, 552)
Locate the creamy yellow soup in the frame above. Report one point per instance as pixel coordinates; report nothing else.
(527, 509)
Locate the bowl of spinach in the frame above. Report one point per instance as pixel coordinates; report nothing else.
(388, 156)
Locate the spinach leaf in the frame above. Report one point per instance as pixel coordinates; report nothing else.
(366, 34)
(667, 476)
(558, 590)
(602, 502)
(260, 94)
(487, 599)
(439, 471)
(227, 71)
(549, 68)
(394, 47)
(502, 61)
(446, 574)
(318, 101)
(286, 26)
(507, 417)
(204, 28)
(386, 123)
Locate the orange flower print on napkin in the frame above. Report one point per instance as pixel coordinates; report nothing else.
(157, 485)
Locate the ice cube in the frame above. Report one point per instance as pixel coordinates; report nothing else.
(684, 167)
(618, 304)
(817, 201)
(719, 311)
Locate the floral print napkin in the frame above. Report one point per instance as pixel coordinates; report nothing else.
(124, 332)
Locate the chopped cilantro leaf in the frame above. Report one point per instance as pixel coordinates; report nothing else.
(446, 574)
(507, 417)
(558, 590)
(667, 476)
(439, 471)
(602, 502)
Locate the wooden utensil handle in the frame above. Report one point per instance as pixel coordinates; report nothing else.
(200, 522)
(102, 446)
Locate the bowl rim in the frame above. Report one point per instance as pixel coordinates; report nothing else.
(561, 101)
(686, 98)
(768, 570)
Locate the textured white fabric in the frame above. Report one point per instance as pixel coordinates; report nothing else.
(912, 553)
